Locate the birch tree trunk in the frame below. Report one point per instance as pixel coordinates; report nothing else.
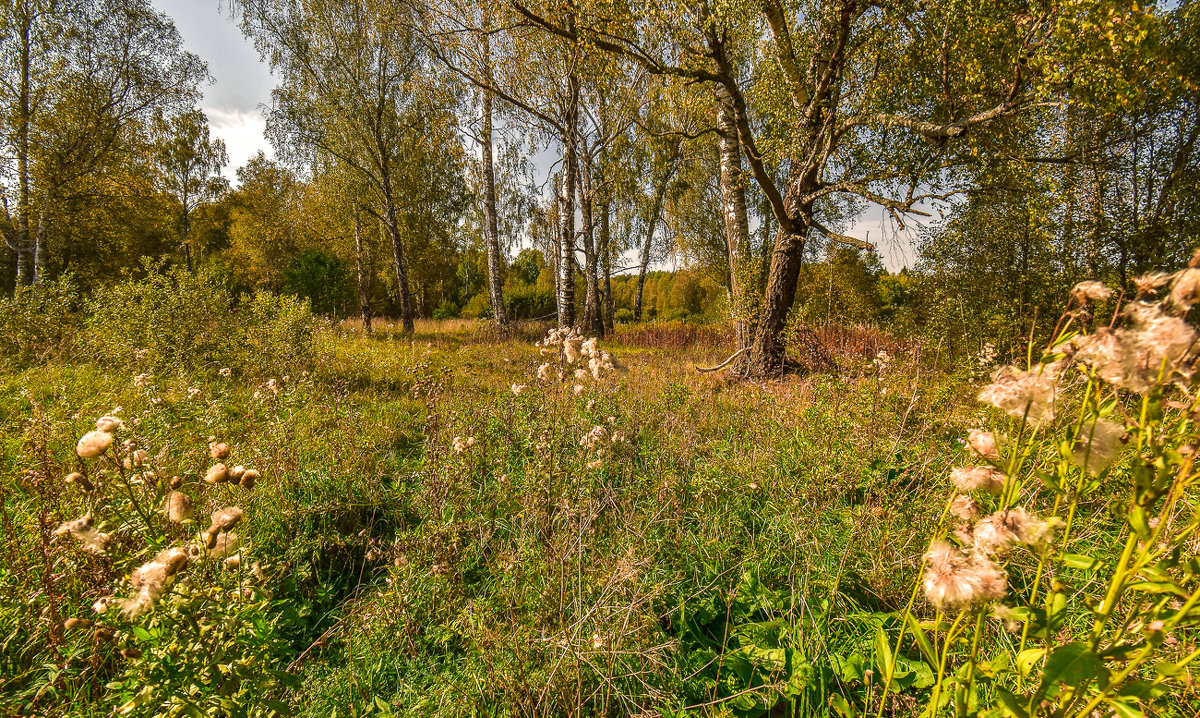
(40, 238)
(606, 257)
(24, 250)
(393, 230)
(566, 212)
(490, 229)
(644, 261)
(593, 324)
(363, 267)
(733, 210)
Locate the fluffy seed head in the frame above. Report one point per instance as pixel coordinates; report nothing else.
(965, 508)
(80, 480)
(109, 423)
(1091, 291)
(216, 474)
(249, 479)
(219, 451)
(1186, 290)
(93, 444)
(952, 579)
(1098, 446)
(1020, 394)
(1152, 282)
(978, 478)
(83, 529)
(984, 444)
(225, 519)
(178, 507)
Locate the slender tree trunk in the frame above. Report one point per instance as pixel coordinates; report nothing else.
(566, 210)
(24, 250)
(185, 229)
(490, 230)
(393, 230)
(606, 256)
(40, 239)
(651, 226)
(362, 265)
(733, 209)
(593, 323)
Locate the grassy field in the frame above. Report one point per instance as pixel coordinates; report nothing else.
(437, 531)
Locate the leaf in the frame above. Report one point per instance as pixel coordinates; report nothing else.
(1073, 664)
(1158, 587)
(1125, 710)
(141, 633)
(921, 639)
(1028, 657)
(1011, 704)
(1087, 563)
(383, 706)
(1137, 521)
(883, 652)
(842, 706)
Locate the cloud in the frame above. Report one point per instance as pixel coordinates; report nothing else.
(243, 133)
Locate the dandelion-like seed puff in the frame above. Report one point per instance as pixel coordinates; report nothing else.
(953, 579)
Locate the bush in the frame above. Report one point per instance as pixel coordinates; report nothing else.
(622, 316)
(181, 319)
(40, 320)
(528, 301)
(445, 310)
(480, 307)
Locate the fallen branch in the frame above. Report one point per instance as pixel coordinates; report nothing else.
(723, 364)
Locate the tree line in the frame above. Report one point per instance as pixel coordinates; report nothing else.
(1037, 143)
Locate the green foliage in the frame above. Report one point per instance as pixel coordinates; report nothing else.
(320, 277)
(39, 322)
(176, 318)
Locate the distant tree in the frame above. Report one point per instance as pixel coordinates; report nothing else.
(188, 161)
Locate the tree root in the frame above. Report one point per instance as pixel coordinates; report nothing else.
(723, 364)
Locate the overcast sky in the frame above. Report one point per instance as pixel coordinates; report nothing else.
(242, 85)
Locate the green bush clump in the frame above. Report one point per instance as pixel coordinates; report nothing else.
(40, 321)
(177, 318)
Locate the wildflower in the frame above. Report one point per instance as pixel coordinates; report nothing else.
(460, 444)
(1186, 290)
(1152, 282)
(249, 479)
(225, 371)
(978, 478)
(178, 507)
(80, 480)
(597, 641)
(953, 579)
(273, 386)
(225, 519)
(141, 379)
(93, 444)
(130, 654)
(589, 347)
(72, 624)
(1107, 354)
(1019, 393)
(581, 374)
(1098, 446)
(996, 533)
(139, 457)
(984, 444)
(101, 605)
(595, 464)
(233, 563)
(544, 372)
(1090, 291)
(216, 474)
(965, 507)
(578, 389)
(152, 580)
(84, 530)
(109, 423)
(518, 389)
(235, 474)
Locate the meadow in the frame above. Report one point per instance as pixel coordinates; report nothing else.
(454, 523)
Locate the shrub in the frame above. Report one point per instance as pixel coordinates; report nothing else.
(445, 310)
(176, 318)
(40, 320)
(480, 307)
